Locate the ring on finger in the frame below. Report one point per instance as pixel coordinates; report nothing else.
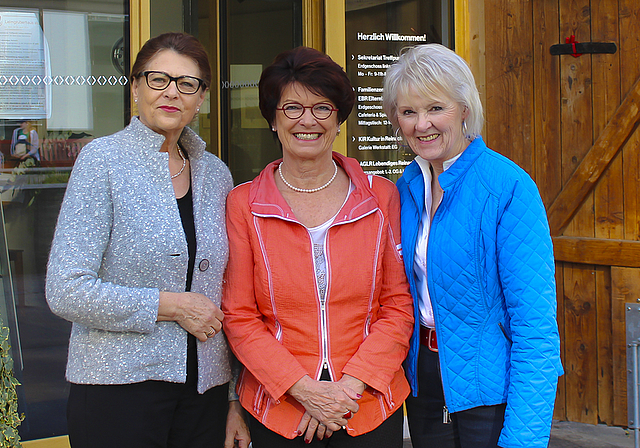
(211, 334)
(347, 415)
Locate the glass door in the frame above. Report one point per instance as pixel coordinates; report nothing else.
(62, 83)
(376, 32)
(242, 37)
(253, 32)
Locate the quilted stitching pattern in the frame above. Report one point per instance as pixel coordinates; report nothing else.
(490, 262)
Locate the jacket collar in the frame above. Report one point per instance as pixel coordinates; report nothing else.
(266, 200)
(151, 141)
(414, 179)
(463, 164)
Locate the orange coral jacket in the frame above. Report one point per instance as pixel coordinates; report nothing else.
(273, 316)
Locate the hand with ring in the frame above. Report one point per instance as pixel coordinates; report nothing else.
(325, 401)
(310, 427)
(194, 312)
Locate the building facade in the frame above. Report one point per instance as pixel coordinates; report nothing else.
(569, 118)
(64, 68)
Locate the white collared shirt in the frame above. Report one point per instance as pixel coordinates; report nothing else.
(420, 260)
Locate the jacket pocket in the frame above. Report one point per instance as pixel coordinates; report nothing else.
(504, 332)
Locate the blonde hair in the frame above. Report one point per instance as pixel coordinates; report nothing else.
(433, 70)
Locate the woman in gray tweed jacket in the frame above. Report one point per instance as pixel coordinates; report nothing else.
(137, 264)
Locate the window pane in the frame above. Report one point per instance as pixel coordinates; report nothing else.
(63, 83)
(248, 143)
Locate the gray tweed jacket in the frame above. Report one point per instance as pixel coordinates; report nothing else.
(119, 241)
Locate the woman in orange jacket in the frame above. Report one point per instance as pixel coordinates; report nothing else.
(316, 302)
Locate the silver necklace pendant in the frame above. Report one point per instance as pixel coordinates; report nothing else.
(184, 163)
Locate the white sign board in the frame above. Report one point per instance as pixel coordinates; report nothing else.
(24, 67)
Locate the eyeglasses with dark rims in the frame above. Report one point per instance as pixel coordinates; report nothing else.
(293, 110)
(187, 85)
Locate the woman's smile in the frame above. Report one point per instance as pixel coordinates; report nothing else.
(428, 138)
(307, 136)
(169, 109)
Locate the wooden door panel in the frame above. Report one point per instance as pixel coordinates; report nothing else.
(611, 140)
(609, 202)
(604, 337)
(580, 346)
(625, 287)
(583, 221)
(608, 199)
(560, 408)
(546, 96)
(575, 79)
(629, 47)
(606, 66)
(511, 105)
(631, 176)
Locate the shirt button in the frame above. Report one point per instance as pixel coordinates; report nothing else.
(204, 265)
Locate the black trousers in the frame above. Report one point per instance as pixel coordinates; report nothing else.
(146, 415)
(474, 428)
(387, 435)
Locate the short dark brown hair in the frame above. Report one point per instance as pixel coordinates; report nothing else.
(183, 44)
(311, 69)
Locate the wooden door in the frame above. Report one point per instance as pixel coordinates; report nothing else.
(572, 123)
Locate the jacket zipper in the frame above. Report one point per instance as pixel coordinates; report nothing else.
(323, 307)
(323, 330)
(446, 415)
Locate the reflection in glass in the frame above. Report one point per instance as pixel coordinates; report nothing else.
(82, 93)
(248, 143)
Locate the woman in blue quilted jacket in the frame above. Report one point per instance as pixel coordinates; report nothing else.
(484, 358)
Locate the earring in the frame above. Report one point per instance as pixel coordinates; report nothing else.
(398, 138)
(401, 145)
(273, 128)
(135, 100)
(198, 110)
(338, 133)
(464, 129)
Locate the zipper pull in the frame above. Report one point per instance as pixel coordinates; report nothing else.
(446, 417)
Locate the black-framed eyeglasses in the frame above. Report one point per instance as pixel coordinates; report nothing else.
(161, 80)
(293, 110)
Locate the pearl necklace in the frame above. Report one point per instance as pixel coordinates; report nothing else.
(184, 163)
(309, 190)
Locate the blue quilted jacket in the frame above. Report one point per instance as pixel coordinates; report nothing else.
(491, 281)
